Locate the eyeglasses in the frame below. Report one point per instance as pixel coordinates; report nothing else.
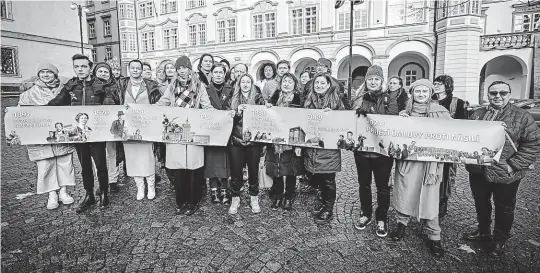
(438, 83)
(502, 93)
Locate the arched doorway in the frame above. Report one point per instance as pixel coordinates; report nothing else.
(358, 76)
(304, 64)
(359, 66)
(409, 66)
(508, 69)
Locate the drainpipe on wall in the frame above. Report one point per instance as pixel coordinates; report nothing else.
(119, 37)
(534, 43)
(436, 38)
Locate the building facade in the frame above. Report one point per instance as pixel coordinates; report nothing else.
(102, 27)
(52, 35)
(413, 39)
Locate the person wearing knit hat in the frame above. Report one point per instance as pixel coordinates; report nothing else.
(183, 61)
(416, 186)
(116, 69)
(373, 98)
(55, 170)
(103, 71)
(323, 65)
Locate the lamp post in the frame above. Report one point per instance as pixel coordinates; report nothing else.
(80, 9)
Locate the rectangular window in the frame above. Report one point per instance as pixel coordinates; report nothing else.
(107, 27)
(264, 25)
(122, 10)
(94, 55)
(457, 7)
(130, 11)
(146, 10)
(297, 21)
(231, 29)
(108, 53)
(6, 10)
(92, 29)
(197, 34)
(360, 19)
(170, 38)
(10, 64)
(406, 11)
(304, 20)
(415, 11)
(527, 22)
(475, 7)
(202, 34)
(257, 26)
(442, 9)
(396, 12)
(221, 31)
(147, 41)
(410, 77)
(124, 42)
(132, 42)
(226, 30)
(168, 6)
(195, 3)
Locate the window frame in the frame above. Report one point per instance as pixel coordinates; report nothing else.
(166, 6)
(124, 42)
(15, 60)
(193, 4)
(167, 38)
(264, 23)
(146, 41)
(107, 27)
(227, 30)
(108, 50)
(358, 18)
(406, 17)
(302, 20)
(91, 29)
(7, 4)
(200, 39)
(94, 55)
(146, 10)
(533, 26)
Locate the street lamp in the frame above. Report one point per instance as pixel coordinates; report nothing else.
(80, 9)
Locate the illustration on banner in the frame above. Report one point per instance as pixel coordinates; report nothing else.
(174, 132)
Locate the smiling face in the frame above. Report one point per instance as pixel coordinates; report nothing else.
(170, 70)
(46, 76)
(304, 78)
(321, 68)
(287, 84)
(83, 119)
(135, 70)
(147, 72)
(499, 95)
(245, 84)
(282, 69)
(82, 68)
(103, 73)
(207, 63)
(439, 87)
(373, 83)
(393, 84)
(116, 72)
(218, 75)
(321, 85)
(421, 94)
(160, 74)
(58, 127)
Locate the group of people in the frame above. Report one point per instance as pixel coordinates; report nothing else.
(421, 189)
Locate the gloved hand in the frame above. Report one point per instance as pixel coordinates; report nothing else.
(361, 112)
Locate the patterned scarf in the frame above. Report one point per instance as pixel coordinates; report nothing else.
(185, 96)
(285, 99)
(491, 113)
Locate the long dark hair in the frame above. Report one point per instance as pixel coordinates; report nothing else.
(201, 60)
(330, 99)
(448, 82)
(237, 95)
(274, 70)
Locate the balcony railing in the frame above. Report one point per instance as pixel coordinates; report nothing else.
(506, 41)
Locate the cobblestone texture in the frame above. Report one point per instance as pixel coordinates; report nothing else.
(146, 236)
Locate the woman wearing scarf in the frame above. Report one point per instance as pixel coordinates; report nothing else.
(54, 162)
(113, 149)
(272, 85)
(282, 164)
(416, 187)
(184, 163)
(205, 64)
(217, 165)
(323, 164)
(267, 73)
(372, 98)
(140, 162)
(165, 74)
(244, 152)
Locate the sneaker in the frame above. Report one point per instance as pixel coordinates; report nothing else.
(382, 229)
(362, 223)
(436, 248)
(64, 197)
(52, 203)
(234, 205)
(255, 208)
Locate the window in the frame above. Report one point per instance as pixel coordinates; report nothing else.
(411, 72)
(304, 20)
(192, 34)
(168, 6)
(128, 42)
(94, 55)
(264, 21)
(442, 8)
(146, 10)
(405, 11)
(6, 10)
(107, 26)
(457, 7)
(360, 16)
(170, 38)
(10, 64)
(527, 22)
(92, 29)
(197, 29)
(475, 7)
(124, 42)
(126, 11)
(226, 26)
(122, 10)
(132, 42)
(195, 3)
(410, 77)
(147, 41)
(108, 53)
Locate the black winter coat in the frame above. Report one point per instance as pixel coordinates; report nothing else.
(78, 92)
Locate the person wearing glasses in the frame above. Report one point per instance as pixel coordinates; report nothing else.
(444, 88)
(521, 148)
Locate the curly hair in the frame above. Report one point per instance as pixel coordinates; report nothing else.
(448, 82)
(79, 115)
(274, 70)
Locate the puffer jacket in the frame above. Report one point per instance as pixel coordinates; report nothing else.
(78, 92)
(523, 131)
(236, 135)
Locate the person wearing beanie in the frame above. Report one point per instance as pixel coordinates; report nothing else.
(184, 164)
(205, 64)
(85, 89)
(54, 162)
(417, 183)
(444, 88)
(372, 98)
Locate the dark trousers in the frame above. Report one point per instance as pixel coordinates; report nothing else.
(449, 177)
(380, 167)
(240, 156)
(216, 183)
(287, 183)
(95, 150)
(327, 185)
(504, 198)
(187, 185)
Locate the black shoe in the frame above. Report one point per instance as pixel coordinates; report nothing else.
(399, 233)
(436, 248)
(362, 222)
(190, 209)
(319, 206)
(443, 207)
(181, 210)
(276, 204)
(113, 187)
(324, 217)
(287, 205)
(158, 178)
(497, 249)
(87, 202)
(382, 229)
(225, 198)
(104, 200)
(477, 236)
(215, 197)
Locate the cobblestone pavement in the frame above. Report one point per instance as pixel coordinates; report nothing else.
(146, 236)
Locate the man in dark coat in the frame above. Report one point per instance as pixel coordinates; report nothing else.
(521, 148)
(87, 90)
(117, 128)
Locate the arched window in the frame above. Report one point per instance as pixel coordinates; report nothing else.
(264, 21)
(226, 26)
(196, 29)
(410, 72)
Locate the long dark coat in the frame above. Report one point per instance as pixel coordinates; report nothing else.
(216, 159)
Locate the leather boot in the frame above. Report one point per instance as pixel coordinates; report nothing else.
(225, 198)
(329, 197)
(436, 248)
(276, 203)
(317, 208)
(498, 248)
(287, 204)
(89, 200)
(104, 199)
